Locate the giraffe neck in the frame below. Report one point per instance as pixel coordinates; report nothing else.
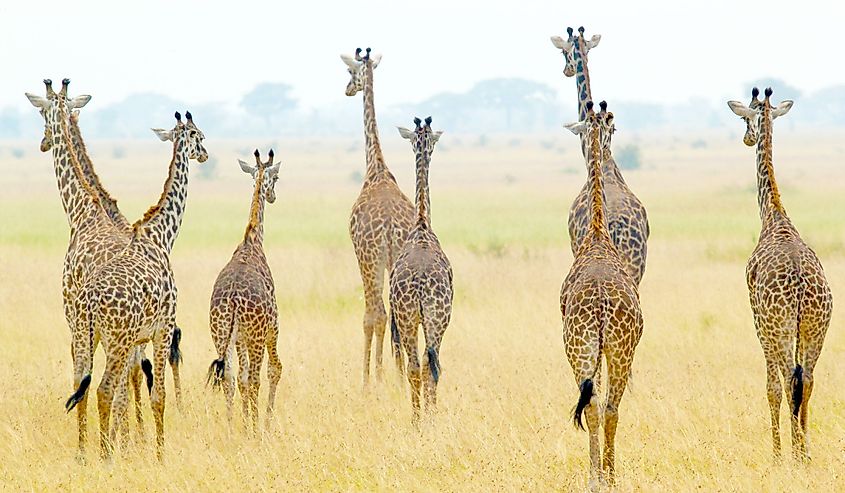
(598, 222)
(79, 200)
(582, 85)
(162, 221)
(375, 159)
(108, 203)
(768, 195)
(423, 202)
(255, 227)
(609, 169)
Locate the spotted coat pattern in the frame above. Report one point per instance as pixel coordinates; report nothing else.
(600, 308)
(132, 299)
(626, 216)
(421, 287)
(243, 313)
(789, 294)
(381, 216)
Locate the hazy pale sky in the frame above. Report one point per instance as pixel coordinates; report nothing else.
(198, 51)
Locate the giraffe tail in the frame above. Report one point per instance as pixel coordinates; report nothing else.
(798, 371)
(395, 342)
(147, 368)
(433, 363)
(216, 372)
(84, 328)
(175, 352)
(583, 401)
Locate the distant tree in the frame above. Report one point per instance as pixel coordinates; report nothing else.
(268, 100)
(628, 157)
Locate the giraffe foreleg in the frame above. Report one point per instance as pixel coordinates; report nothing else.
(115, 363)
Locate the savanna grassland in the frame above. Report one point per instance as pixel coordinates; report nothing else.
(694, 417)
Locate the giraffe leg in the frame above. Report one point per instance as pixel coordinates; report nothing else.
(274, 370)
(243, 378)
(175, 358)
(375, 318)
(120, 408)
(774, 392)
(617, 380)
(256, 358)
(409, 341)
(433, 328)
(115, 361)
(136, 377)
(810, 357)
(229, 383)
(591, 411)
(161, 351)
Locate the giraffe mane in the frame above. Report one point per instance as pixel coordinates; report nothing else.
(171, 175)
(766, 144)
(74, 161)
(75, 132)
(254, 218)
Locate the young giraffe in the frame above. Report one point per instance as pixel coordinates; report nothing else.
(95, 238)
(600, 307)
(243, 311)
(421, 289)
(626, 216)
(789, 295)
(132, 299)
(381, 216)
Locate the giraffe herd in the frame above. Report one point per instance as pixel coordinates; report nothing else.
(119, 290)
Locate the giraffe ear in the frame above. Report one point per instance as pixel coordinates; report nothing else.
(246, 167)
(405, 133)
(376, 60)
(436, 136)
(163, 134)
(350, 61)
(577, 128)
(560, 43)
(740, 109)
(782, 109)
(37, 101)
(274, 170)
(78, 102)
(594, 41)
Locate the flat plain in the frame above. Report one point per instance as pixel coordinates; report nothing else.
(695, 415)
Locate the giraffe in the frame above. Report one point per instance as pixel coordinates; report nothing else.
(95, 238)
(421, 289)
(132, 299)
(141, 366)
(790, 297)
(600, 308)
(626, 217)
(381, 216)
(243, 313)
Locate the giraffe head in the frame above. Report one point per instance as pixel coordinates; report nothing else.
(422, 137)
(758, 113)
(601, 122)
(192, 134)
(52, 107)
(357, 66)
(270, 173)
(575, 48)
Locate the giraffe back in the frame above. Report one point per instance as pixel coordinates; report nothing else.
(627, 220)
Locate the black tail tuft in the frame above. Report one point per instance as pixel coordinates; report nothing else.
(175, 352)
(797, 389)
(216, 372)
(394, 340)
(434, 363)
(79, 394)
(147, 368)
(583, 401)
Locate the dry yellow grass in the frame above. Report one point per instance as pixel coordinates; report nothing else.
(695, 416)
